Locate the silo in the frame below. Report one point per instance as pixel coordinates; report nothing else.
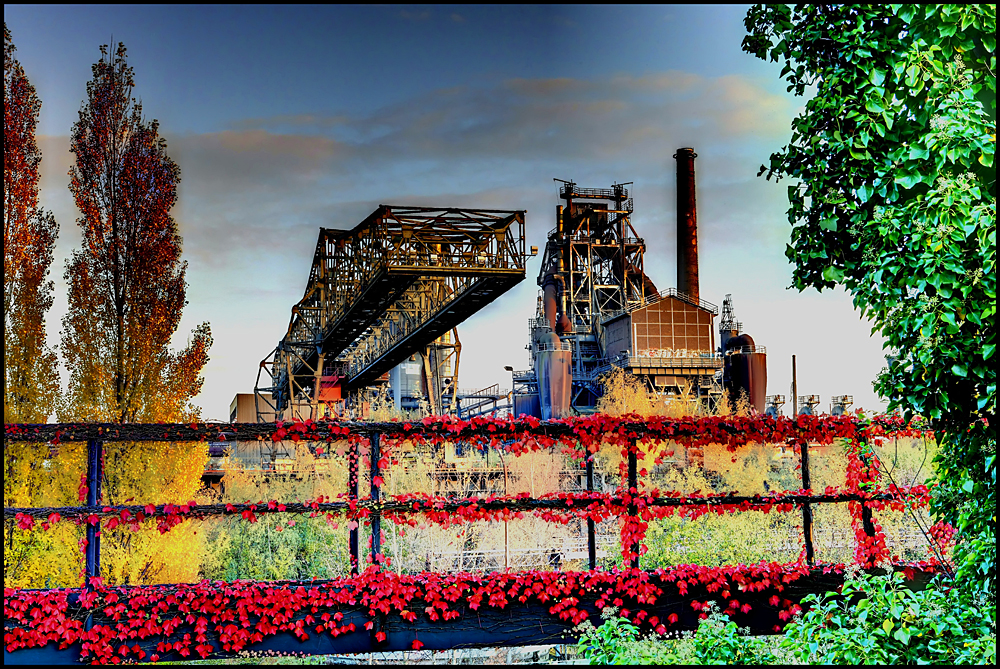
(745, 371)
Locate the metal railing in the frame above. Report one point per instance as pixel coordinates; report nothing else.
(746, 350)
(653, 299)
(561, 346)
(374, 506)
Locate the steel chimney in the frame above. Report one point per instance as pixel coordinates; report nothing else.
(687, 224)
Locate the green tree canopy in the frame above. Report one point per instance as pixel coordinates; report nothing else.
(895, 199)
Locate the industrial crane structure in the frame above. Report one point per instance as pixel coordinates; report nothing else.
(394, 286)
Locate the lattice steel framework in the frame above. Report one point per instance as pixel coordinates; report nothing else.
(600, 258)
(599, 254)
(384, 290)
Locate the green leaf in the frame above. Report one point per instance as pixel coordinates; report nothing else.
(834, 274)
(887, 625)
(959, 369)
(907, 180)
(828, 223)
(918, 153)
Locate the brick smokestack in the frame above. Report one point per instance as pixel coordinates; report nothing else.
(687, 224)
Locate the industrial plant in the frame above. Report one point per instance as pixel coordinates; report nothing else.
(378, 320)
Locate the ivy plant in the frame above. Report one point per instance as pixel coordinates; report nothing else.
(894, 198)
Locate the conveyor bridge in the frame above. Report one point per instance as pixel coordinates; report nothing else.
(383, 290)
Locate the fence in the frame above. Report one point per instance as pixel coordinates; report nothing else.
(442, 611)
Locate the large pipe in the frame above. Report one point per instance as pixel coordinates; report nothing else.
(549, 304)
(554, 303)
(687, 224)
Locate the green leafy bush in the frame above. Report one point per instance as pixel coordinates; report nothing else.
(878, 620)
(717, 641)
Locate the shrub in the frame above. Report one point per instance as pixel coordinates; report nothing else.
(877, 620)
(718, 640)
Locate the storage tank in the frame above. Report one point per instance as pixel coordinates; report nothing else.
(745, 371)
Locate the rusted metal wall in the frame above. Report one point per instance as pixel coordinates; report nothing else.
(671, 325)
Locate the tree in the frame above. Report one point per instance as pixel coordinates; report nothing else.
(126, 284)
(31, 383)
(896, 201)
(126, 295)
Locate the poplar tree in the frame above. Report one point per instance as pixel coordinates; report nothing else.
(127, 282)
(31, 383)
(126, 296)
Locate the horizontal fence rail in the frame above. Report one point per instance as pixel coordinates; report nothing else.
(376, 609)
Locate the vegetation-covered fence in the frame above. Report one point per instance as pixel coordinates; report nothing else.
(381, 610)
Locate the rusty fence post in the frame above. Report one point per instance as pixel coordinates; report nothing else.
(352, 492)
(376, 516)
(374, 455)
(867, 523)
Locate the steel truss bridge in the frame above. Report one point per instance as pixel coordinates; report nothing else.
(382, 291)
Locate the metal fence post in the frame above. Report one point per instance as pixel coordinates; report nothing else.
(807, 518)
(353, 546)
(867, 522)
(591, 526)
(633, 485)
(95, 462)
(376, 516)
(376, 519)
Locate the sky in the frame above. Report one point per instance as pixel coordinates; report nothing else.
(285, 119)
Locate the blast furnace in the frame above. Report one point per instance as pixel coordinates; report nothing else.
(598, 310)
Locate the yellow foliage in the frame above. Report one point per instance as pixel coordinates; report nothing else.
(40, 475)
(624, 393)
(152, 473)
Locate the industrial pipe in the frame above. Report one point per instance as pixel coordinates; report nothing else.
(687, 224)
(554, 303)
(549, 304)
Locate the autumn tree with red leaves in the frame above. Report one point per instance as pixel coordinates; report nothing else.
(126, 295)
(127, 283)
(31, 383)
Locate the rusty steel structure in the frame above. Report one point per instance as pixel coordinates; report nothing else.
(598, 310)
(592, 267)
(385, 290)
(687, 224)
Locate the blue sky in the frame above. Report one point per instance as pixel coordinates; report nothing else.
(284, 119)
